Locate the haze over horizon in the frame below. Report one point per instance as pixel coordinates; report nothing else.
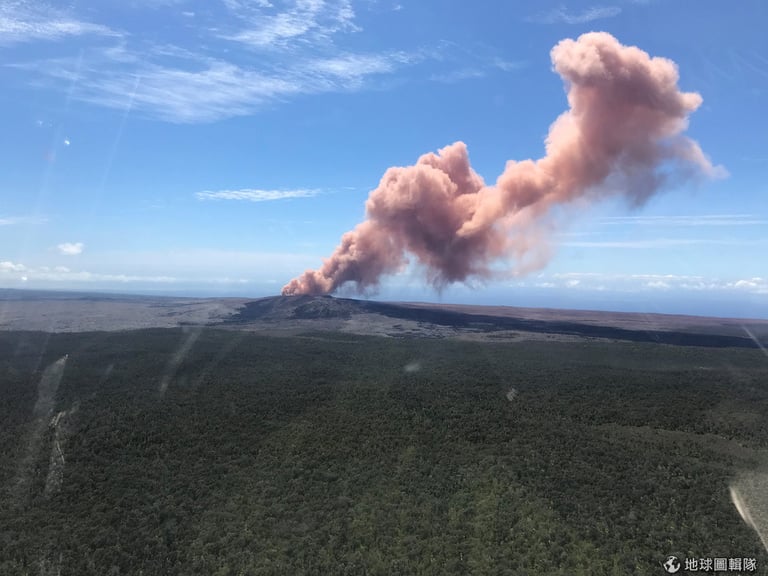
(185, 147)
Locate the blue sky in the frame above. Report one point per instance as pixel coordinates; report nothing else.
(223, 147)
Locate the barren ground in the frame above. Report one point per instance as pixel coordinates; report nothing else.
(62, 312)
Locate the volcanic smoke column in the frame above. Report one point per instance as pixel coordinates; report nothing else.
(623, 135)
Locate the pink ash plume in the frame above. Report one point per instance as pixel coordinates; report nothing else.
(623, 135)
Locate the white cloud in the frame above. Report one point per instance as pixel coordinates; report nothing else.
(92, 277)
(11, 270)
(560, 15)
(173, 268)
(7, 266)
(24, 21)
(668, 282)
(756, 285)
(71, 248)
(255, 195)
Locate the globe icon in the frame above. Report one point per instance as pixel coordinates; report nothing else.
(671, 564)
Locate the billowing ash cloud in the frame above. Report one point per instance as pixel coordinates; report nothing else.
(623, 135)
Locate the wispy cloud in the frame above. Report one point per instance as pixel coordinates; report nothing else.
(350, 66)
(663, 282)
(477, 70)
(179, 85)
(561, 15)
(458, 75)
(687, 220)
(60, 274)
(19, 220)
(24, 21)
(659, 243)
(255, 195)
(172, 267)
(215, 90)
(153, 3)
(509, 65)
(71, 248)
(301, 21)
(300, 44)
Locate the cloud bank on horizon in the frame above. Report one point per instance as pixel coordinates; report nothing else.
(622, 135)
